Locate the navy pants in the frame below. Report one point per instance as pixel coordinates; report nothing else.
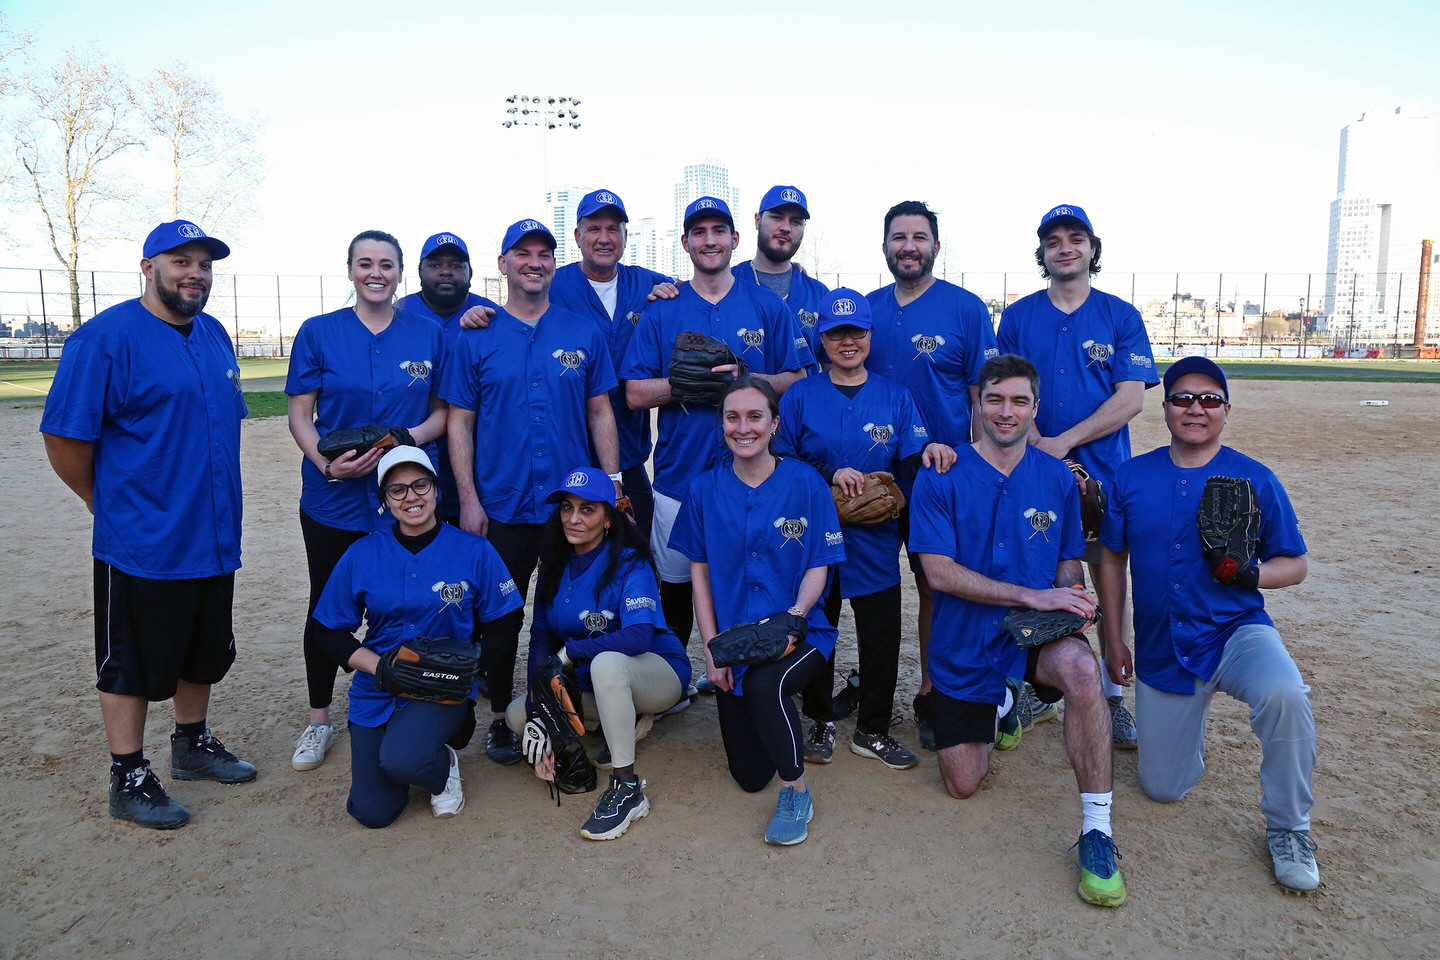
(409, 750)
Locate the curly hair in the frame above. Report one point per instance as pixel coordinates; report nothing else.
(1094, 257)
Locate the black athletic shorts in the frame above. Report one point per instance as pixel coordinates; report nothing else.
(151, 634)
(903, 522)
(963, 721)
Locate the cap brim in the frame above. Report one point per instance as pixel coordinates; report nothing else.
(1054, 222)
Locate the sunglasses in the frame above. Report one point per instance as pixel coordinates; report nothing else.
(1184, 400)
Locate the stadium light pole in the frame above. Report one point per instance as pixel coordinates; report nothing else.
(546, 112)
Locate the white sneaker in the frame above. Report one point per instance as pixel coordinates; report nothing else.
(315, 741)
(452, 800)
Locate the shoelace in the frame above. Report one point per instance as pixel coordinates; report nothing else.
(1291, 845)
(311, 738)
(819, 735)
(1105, 845)
(887, 744)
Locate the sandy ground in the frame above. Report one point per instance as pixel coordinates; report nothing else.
(893, 868)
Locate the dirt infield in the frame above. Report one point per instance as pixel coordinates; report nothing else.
(893, 868)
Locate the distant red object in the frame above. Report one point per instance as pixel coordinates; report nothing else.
(1338, 352)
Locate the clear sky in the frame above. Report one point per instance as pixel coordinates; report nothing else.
(1200, 137)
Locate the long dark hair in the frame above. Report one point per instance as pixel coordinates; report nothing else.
(555, 553)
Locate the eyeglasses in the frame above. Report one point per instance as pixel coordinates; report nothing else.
(837, 334)
(398, 491)
(1184, 400)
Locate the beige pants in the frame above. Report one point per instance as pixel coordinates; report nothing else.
(625, 688)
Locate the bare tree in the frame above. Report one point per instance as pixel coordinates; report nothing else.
(13, 44)
(215, 168)
(74, 121)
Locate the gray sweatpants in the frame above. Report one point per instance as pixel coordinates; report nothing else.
(1257, 670)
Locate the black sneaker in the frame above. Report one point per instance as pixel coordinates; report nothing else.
(820, 744)
(847, 701)
(206, 759)
(620, 803)
(922, 720)
(500, 744)
(882, 747)
(138, 797)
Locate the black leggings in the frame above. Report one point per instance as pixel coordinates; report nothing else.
(324, 546)
(518, 545)
(762, 731)
(877, 640)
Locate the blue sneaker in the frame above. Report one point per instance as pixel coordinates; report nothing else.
(1008, 729)
(793, 813)
(1100, 880)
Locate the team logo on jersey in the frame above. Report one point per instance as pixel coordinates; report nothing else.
(417, 370)
(879, 433)
(569, 360)
(925, 346)
(753, 339)
(507, 587)
(234, 377)
(639, 603)
(451, 593)
(1097, 352)
(991, 353)
(596, 621)
(808, 318)
(792, 529)
(191, 232)
(1040, 521)
(801, 344)
(918, 431)
(834, 539)
(633, 316)
(1140, 360)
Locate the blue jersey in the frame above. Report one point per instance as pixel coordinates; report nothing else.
(163, 412)
(1014, 529)
(759, 541)
(758, 328)
(1183, 618)
(361, 378)
(1080, 357)
(584, 618)
(454, 582)
(528, 385)
(875, 430)
(804, 299)
(571, 290)
(935, 345)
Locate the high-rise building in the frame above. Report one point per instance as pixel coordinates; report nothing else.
(561, 204)
(711, 178)
(646, 246)
(1384, 206)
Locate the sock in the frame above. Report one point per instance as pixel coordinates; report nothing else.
(123, 763)
(1111, 688)
(190, 730)
(1096, 808)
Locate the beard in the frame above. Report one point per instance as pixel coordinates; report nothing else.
(775, 254)
(927, 265)
(177, 303)
(445, 302)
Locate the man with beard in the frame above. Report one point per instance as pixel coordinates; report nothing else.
(933, 337)
(143, 424)
(779, 228)
(1094, 357)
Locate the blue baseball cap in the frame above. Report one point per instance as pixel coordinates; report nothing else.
(844, 307)
(444, 240)
(587, 483)
(708, 207)
(177, 233)
(1066, 212)
(520, 230)
(783, 196)
(1193, 364)
(593, 203)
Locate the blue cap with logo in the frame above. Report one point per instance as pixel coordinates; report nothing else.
(708, 207)
(444, 240)
(593, 203)
(1065, 213)
(520, 230)
(844, 307)
(1196, 364)
(177, 233)
(783, 196)
(587, 483)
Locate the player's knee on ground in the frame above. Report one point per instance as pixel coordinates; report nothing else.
(750, 779)
(372, 816)
(1168, 784)
(962, 768)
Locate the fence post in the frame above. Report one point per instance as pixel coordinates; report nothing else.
(44, 317)
(322, 292)
(1264, 289)
(1219, 301)
(94, 299)
(279, 315)
(235, 304)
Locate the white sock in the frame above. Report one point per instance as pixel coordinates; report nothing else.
(1096, 809)
(1111, 688)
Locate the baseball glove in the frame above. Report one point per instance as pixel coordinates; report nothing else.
(440, 670)
(692, 368)
(1031, 628)
(763, 641)
(362, 439)
(1229, 522)
(879, 500)
(556, 705)
(1092, 501)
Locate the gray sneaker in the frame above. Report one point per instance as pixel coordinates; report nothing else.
(820, 744)
(1032, 711)
(1293, 853)
(882, 747)
(1122, 724)
(137, 796)
(206, 758)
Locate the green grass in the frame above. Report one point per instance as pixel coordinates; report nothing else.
(267, 403)
(1391, 371)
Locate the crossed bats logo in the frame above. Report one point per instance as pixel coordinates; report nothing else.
(879, 433)
(792, 529)
(1040, 521)
(450, 593)
(234, 377)
(633, 316)
(753, 339)
(1097, 352)
(569, 360)
(596, 621)
(808, 318)
(926, 345)
(417, 370)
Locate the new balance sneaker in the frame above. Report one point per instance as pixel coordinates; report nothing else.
(1293, 853)
(882, 747)
(451, 800)
(1122, 724)
(205, 758)
(703, 685)
(1100, 880)
(315, 741)
(922, 720)
(820, 744)
(620, 804)
(790, 824)
(1033, 711)
(138, 797)
(1007, 727)
(500, 744)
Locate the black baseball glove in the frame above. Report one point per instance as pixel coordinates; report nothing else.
(440, 670)
(1031, 628)
(763, 641)
(692, 368)
(362, 439)
(1092, 501)
(557, 708)
(1229, 522)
